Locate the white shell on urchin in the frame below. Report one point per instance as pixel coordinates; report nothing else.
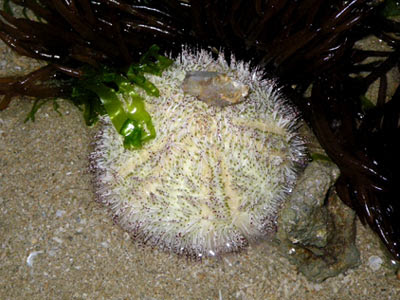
(214, 178)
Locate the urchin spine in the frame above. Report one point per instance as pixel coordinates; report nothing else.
(214, 178)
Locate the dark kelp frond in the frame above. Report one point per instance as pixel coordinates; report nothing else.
(362, 139)
(284, 36)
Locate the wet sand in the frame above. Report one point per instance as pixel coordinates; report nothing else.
(57, 243)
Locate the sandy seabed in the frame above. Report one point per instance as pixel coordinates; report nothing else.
(57, 243)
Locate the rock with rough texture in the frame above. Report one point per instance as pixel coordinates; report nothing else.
(316, 231)
(214, 88)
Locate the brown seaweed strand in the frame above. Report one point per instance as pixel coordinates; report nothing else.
(87, 11)
(153, 18)
(78, 23)
(272, 9)
(5, 101)
(365, 183)
(32, 84)
(384, 67)
(382, 90)
(43, 45)
(40, 10)
(13, 43)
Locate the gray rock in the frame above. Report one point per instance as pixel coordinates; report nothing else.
(316, 231)
(214, 88)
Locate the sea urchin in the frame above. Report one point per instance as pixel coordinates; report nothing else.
(214, 177)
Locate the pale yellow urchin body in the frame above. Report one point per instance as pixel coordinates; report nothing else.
(214, 177)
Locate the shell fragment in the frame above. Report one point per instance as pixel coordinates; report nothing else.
(214, 88)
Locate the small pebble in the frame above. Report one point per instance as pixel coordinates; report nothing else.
(60, 213)
(58, 240)
(31, 257)
(375, 262)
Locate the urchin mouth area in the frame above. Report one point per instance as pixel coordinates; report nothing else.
(215, 175)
